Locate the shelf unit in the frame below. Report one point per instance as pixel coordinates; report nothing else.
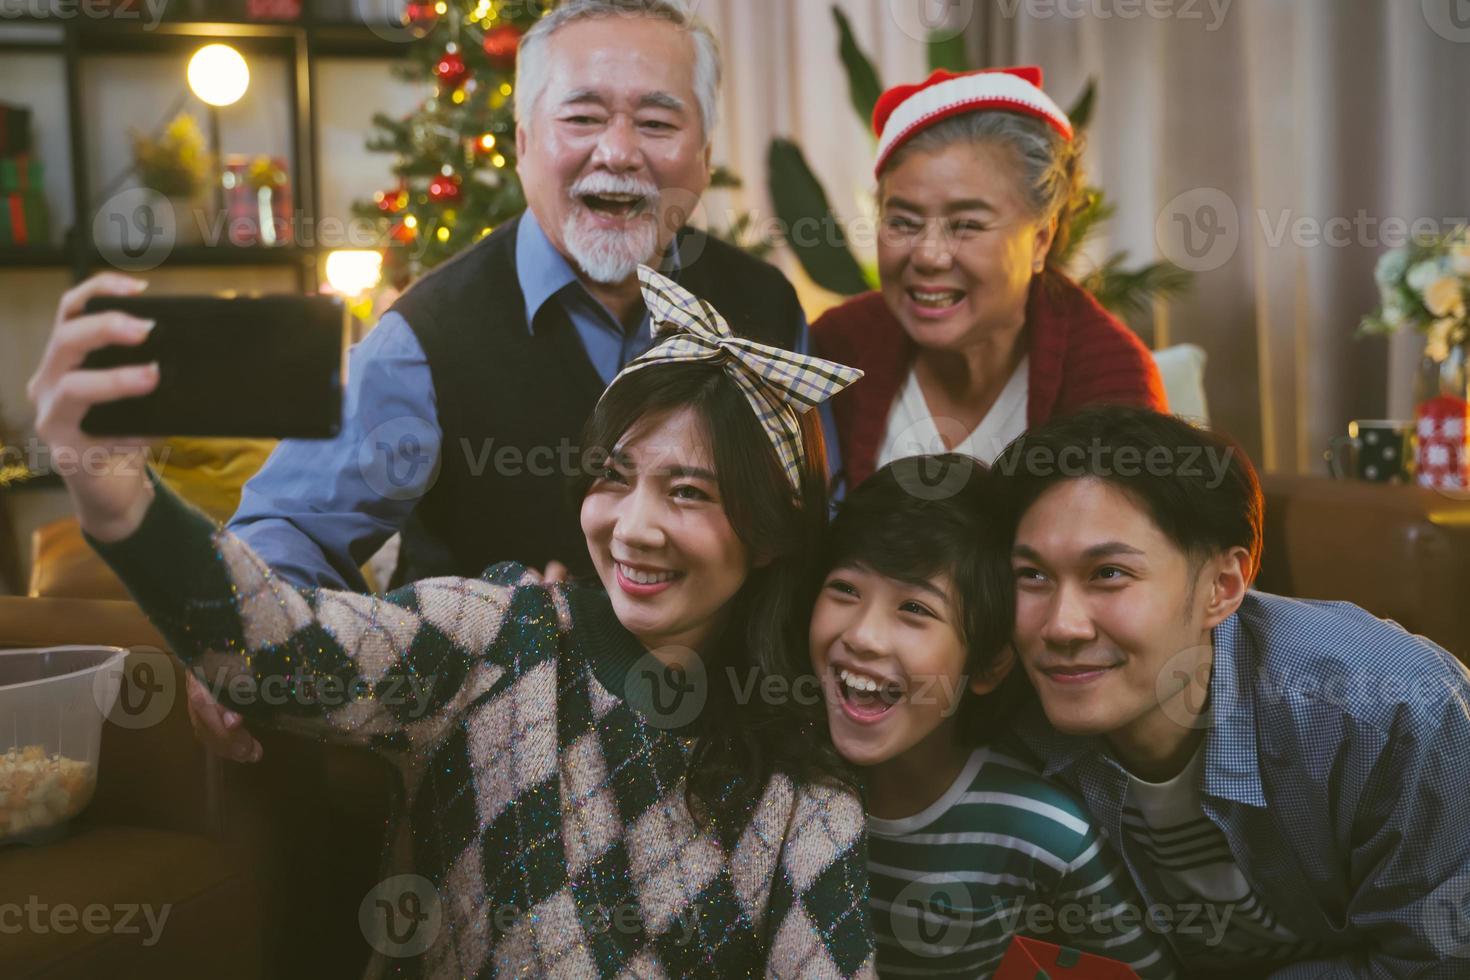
(304, 42)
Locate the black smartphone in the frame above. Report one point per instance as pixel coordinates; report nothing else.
(249, 367)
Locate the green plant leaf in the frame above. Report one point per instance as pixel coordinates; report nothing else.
(1081, 111)
(1130, 292)
(724, 177)
(863, 85)
(813, 231)
(947, 51)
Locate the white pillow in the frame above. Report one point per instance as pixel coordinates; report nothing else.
(1183, 370)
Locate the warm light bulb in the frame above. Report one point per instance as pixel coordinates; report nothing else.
(218, 74)
(411, 222)
(498, 160)
(443, 234)
(487, 142)
(352, 271)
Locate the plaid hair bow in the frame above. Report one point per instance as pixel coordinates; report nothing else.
(779, 384)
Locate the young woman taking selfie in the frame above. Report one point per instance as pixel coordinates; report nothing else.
(588, 792)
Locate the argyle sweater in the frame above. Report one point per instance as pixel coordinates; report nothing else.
(546, 814)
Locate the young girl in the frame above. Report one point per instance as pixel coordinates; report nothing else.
(586, 794)
(910, 635)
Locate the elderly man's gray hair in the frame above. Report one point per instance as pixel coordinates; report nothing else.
(532, 69)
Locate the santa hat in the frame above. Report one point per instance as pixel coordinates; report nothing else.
(905, 110)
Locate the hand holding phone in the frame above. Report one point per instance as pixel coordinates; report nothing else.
(107, 478)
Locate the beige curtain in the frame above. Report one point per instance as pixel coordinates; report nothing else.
(1280, 146)
(783, 78)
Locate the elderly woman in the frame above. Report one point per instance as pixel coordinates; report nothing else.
(976, 335)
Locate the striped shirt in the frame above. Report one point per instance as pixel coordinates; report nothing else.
(1217, 915)
(1003, 851)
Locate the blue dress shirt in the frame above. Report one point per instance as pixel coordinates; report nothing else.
(315, 511)
(1336, 751)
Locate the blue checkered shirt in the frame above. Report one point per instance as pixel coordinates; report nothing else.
(1337, 765)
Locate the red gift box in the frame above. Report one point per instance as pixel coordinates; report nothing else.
(1444, 444)
(1032, 959)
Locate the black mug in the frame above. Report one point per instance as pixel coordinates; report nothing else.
(1376, 451)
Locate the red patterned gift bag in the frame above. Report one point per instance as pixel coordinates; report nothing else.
(1032, 959)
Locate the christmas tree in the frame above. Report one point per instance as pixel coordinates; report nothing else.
(456, 155)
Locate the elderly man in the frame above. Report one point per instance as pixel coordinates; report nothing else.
(465, 404)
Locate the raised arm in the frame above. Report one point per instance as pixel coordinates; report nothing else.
(212, 597)
(318, 508)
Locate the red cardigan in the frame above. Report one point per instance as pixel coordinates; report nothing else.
(1080, 354)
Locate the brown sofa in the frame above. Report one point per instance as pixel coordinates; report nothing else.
(261, 868)
(265, 866)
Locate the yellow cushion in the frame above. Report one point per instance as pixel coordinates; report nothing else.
(209, 473)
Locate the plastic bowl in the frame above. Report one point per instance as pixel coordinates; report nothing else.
(52, 703)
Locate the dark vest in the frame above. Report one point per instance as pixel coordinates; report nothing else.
(512, 403)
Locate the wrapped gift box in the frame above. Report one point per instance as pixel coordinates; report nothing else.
(24, 218)
(1032, 959)
(258, 201)
(19, 173)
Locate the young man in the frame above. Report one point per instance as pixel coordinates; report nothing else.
(1294, 770)
(967, 846)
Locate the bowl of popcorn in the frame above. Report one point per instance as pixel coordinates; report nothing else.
(52, 704)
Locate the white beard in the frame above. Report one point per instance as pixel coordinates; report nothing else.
(610, 256)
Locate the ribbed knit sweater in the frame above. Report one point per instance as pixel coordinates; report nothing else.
(545, 814)
(1080, 354)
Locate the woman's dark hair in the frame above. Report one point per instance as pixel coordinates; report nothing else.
(937, 515)
(741, 745)
(1198, 486)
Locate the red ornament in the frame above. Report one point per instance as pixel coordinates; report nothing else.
(501, 45)
(401, 233)
(445, 190)
(389, 201)
(451, 70)
(420, 18)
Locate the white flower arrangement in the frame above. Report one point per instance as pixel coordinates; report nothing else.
(1425, 286)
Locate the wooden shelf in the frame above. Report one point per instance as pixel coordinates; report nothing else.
(111, 36)
(44, 257)
(37, 257)
(76, 39)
